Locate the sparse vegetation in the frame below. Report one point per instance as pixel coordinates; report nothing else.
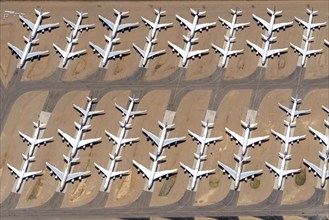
(167, 186)
(213, 182)
(35, 191)
(301, 177)
(255, 183)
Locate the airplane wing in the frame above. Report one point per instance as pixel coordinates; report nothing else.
(301, 22)
(140, 51)
(277, 134)
(129, 140)
(206, 25)
(154, 138)
(227, 169)
(137, 112)
(321, 136)
(276, 51)
(256, 140)
(24, 136)
(27, 22)
(199, 138)
(302, 112)
(197, 53)
(262, 21)
(62, 52)
(47, 26)
(185, 22)
(257, 48)
(205, 172)
(220, 50)
(71, 24)
(123, 110)
(281, 25)
(178, 49)
(99, 50)
(117, 53)
(159, 174)
(241, 25)
(81, 110)
(296, 138)
(169, 141)
(235, 135)
(113, 137)
(300, 50)
(245, 175)
(214, 139)
(95, 112)
(104, 171)
(13, 169)
(122, 27)
(88, 142)
(107, 22)
(57, 172)
(73, 176)
(318, 25)
(313, 167)
(67, 137)
(84, 26)
(225, 22)
(43, 140)
(164, 25)
(16, 50)
(148, 22)
(276, 170)
(188, 169)
(313, 52)
(234, 52)
(146, 171)
(77, 53)
(288, 172)
(156, 53)
(35, 54)
(285, 108)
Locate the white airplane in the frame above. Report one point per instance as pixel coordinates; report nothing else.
(233, 25)
(26, 54)
(153, 174)
(117, 26)
(239, 175)
(322, 173)
(281, 172)
(129, 112)
(196, 172)
(187, 53)
(266, 52)
(326, 42)
(119, 141)
(110, 173)
(155, 25)
(293, 112)
(67, 54)
(227, 52)
(78, 26)
(77, 143)
(305, 52)
(162, 141)
(86, 113)
(245, 141)
(67, 176)
(23, 174)
(308, 25)
(37, 27)
(194, 27)
(108, 53)
(148, 54)
(322, 137)
(35, 141)
(270, 27)
(204, 140)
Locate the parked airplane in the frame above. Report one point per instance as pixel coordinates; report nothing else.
(117, 26)
(67, 54)
(162, 141)
(77, 143)
(233, 25)
(108, 53)
(239, 175)
(35, 141)
(322, 173)
(266, 52)
(245, 141)
(88, 113)
(194, 27)
(187, 53)
(227, 52)
(281, 172)
(129, 112)
(326, 42)
(293, 112)
(196, 172)
(26, 54)
(270, 27)
(204, 139)
(322, 137)
(153, 174)
(78, 26)
(305, 52)
(23, 174)
(156, 26)
(67, 176)
(308, 25)
(110, 173)
(37, 27)
(147, 54)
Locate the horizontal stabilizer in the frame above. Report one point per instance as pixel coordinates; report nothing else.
(162, 125)
(117, 12)
(70, 159)
(124, 125)
(292, 124)
(154, 158)
(187, 39)
(245, 125)
(229, 39)
(30, 159)
(284, 156)
(243, 159)
(116, 158)
(39, 125)
(80, 126)
(202, 157)
(207, 124)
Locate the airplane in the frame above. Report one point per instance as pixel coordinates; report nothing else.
(147, 54)
(326, 42)
(67, 176)
(87, 112)
(67, 54)
(129, 112)
(110, 173)
(196, 172)
(153, 174)
(77, 143)
(293, 112)
(108, 53)
(287, 139)
(233, 25)
(187, 54)
(239, 175)
(194, 27)
(322, 173)
(26, 54)
(35, 141)
(121, 140)
(37, 27)
(227, 52)
(305, 52)
(204, 140)
(308, 25)
(23, 174)
(245, 141)
(281, 172)
(162, 141)
(78, 26)
(156, 26)
(266, 52)
(322, 137)
(270, 27)
(117, 26)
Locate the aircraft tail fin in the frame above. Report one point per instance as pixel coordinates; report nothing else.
(91, 99)
(133, 99)
(80, 126)
(159, 11)
(282, 156)
(82, 14)
(296, 100)
(274, 12)
(243, 159)
(70, 159)
(154, 158)
(41, 13)
(236, 12)
(117, 12)
(162, 125)
(202, 157)
(245, 125)
(199, 13)
(116, 158)
(39, 125)
(311, 12)
(207, 124)
(26, 158)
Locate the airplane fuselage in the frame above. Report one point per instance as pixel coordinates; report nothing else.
(107, 52)
(153, 171)
(130, 108)
(147, 52)
(35, 137)
(194, 24)
(154, 30)
(76, 143)
(305, 49)
(227, 48)
(186, 52)
(65, 175)
(116, 25)
(238, 174)
(245, 140)
(196, 171)
(233, 25)
(76, 29)
(308, 29)
(109, 174)
(161, 141)
(67, 52)
(280, 175)
(286, 143)
(270, 30)
(36, 26)
(203, 142)
(118, 145)
(21, 178)
(85, 117)
(324, 172)
(26, 51)
(266, 49)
